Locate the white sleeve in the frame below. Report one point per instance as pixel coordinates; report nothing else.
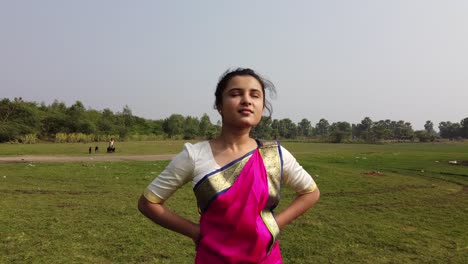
(294, 175)
(175, 175)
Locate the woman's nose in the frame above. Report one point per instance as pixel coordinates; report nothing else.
(246, 100)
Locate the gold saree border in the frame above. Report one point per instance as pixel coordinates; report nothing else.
(218, 182)
(271, 224)
(272, 160)
(271, 156)
(153, 198)
(309, 189)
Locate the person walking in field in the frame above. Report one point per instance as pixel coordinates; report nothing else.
(236, 180)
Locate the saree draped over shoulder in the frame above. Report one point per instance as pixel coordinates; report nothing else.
(236, 204)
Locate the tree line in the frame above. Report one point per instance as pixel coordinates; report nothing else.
(28, 122)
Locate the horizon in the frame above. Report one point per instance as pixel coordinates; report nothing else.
(214, 122)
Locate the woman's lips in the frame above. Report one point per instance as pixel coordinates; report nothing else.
(246, 111)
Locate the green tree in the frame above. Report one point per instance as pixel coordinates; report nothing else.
(464, 128)
(424, 136)
(304, 128)
(125, 121)
(156, 127)
(363, 130)
(287, 129)
(322, 128)
(127, 116)
(449, 130)
(403, 131)
(107, 123)
(429, 127)
(18, 118)
(174, 125)
(191, 127)
(263, 129)
(340, 132)
(381, 130)
(75, 114)
(205, 125)
(275, 129)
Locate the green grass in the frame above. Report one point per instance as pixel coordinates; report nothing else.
(397, 203)
(80, 149)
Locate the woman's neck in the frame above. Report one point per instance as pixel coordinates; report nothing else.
(233, 139)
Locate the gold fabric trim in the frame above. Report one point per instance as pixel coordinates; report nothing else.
(150, 196)
(217, 183)
(309, 189)
(272, 225)
(272, 162)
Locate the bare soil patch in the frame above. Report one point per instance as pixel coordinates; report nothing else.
(373, 173)
(459, 162)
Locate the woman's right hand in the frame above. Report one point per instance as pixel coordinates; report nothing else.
(196, 237)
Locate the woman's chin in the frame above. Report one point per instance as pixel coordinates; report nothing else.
(242, 125)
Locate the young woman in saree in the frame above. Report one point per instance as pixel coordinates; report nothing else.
(236, 181)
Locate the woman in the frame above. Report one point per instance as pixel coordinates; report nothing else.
(236, 180)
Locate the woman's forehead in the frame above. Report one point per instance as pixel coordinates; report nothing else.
(244, 82)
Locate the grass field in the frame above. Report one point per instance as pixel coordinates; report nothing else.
(395, 203)
(79, 149)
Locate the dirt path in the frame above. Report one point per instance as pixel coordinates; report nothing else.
(90, 158)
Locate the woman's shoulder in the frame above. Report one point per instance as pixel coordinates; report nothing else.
(265, 143)
(190, 154)
(273, 143)
(196, 146)
(195, 150)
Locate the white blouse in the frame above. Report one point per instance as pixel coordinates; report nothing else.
(196, 161)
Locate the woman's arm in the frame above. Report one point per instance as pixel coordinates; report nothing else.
(300, 205)
(164, 217)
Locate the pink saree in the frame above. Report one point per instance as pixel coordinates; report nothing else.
(237, 223)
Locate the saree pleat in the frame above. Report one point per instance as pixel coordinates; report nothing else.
(237, 224)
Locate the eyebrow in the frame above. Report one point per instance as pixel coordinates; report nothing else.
(241, 89)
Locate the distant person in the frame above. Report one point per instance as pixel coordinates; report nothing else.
(96, 149)
(89, 150)
(236, 180)
(111, 147)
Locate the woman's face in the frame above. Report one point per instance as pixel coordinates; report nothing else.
(242, 104)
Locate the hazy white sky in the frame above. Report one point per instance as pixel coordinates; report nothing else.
(336, 59)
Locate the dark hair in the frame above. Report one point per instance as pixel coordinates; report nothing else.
(230, 73)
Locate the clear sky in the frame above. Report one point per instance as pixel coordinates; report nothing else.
(336, 59)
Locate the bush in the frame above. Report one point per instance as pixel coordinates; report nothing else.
(74, 138)
(28, 139)
(424, 136)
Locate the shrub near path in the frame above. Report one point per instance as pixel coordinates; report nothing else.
(401, 203)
